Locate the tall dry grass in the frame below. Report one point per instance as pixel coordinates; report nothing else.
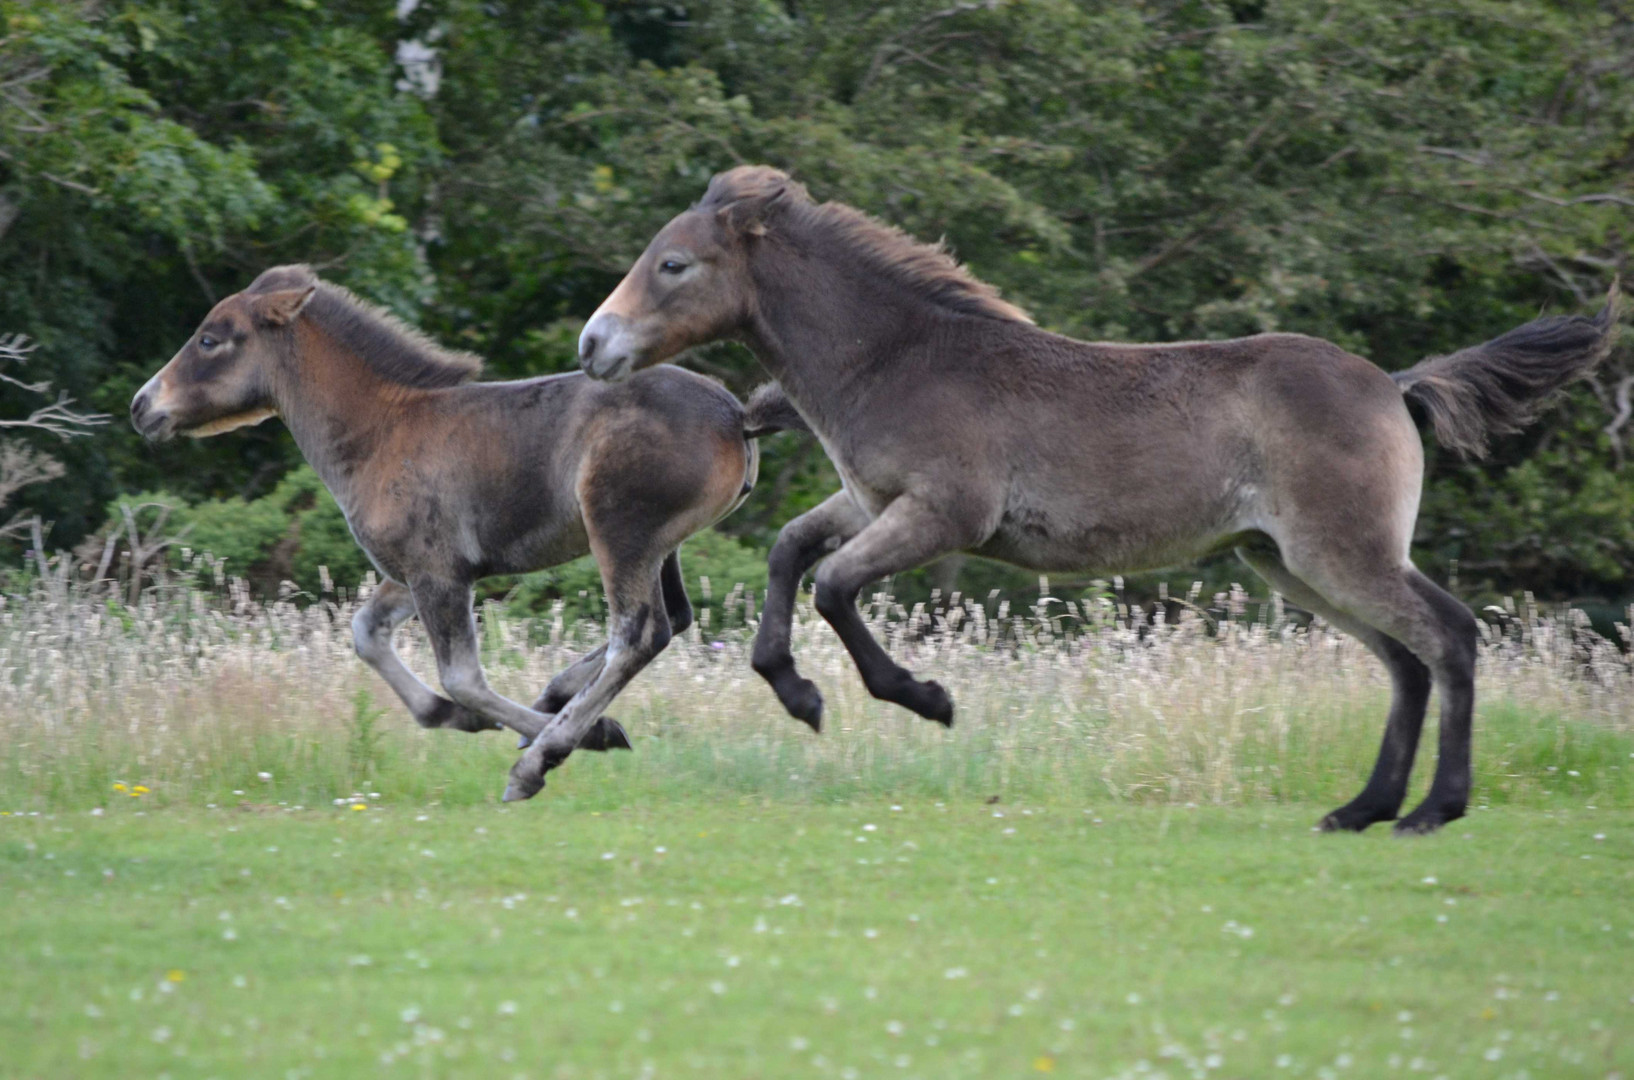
(208, 697)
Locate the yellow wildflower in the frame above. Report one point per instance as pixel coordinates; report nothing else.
(175, 975)
(359, 806)
(119, 787)
(139, 789)
(1044, 1063)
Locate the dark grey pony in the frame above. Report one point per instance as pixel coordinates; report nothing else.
(445, 481)
(957, 425)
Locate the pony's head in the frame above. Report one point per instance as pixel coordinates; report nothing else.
(221, 379)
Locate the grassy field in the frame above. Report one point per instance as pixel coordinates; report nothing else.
(757, 939)
(224, 851)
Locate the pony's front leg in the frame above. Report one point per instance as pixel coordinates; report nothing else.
(636, 634)
(606, 733)
(445, 609)
(800, 544)
(908, 534)
(387, 608)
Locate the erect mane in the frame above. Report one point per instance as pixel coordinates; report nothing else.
(767, 195)
(393, 349)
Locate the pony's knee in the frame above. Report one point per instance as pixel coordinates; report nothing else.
(767, 663)
(646, 633)
(1461, 636)
(1409, 673)
(466, 686)
(786, 556)
(365, 636)
(833, 593)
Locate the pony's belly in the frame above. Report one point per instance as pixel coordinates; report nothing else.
(1102, 547)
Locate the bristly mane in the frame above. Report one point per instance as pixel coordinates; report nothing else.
(926, 269)
(393, 349)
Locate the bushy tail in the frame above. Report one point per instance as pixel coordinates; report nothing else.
(769, 410)
(1498, 388)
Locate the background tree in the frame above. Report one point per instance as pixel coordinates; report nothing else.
(1403, 181)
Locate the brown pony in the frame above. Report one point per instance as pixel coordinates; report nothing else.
(958, 425)
(444, 481)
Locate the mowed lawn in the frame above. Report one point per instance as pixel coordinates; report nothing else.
(765, 939)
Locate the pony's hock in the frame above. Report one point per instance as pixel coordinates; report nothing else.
(445, 481)
(957, 425)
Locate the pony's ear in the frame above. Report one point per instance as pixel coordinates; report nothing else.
(750, 213)
(281, 308)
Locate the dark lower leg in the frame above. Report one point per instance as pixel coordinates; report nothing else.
(635, 637)
(884, 677)
(445, 610)
(800, 544)
(906, 535)
(1455, 677)
(1381, 799)
(1386, 788)
(372, 628)
(676, 604)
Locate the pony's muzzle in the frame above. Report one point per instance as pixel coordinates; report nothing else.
(606, 347)
(152, 423)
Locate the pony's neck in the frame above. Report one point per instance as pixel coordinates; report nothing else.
(819, 327)
(334, 405)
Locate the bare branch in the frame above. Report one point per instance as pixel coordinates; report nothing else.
(143, 549)
(1601, 197)
(22, 465)
(1476, 157)
(58, 418)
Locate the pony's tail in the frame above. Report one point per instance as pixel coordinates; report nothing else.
(1500, 387)
(769, 410)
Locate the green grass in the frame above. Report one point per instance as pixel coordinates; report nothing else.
(746, 937)
(1160, 908)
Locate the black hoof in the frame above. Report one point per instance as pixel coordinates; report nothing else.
(1427, 819)
(1355, 817)
(523, 785)
(606, 734)
(803, 701)
(528, 778)
(446, 714)
(932, 702)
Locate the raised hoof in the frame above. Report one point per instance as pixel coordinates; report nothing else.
(1354, 818)
(1427, 819)
(933, 703)
(804, 702)
(446, 714)
(528, 775)
(522, 788)
(606, 734)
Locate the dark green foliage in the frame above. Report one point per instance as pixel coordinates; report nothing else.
(1402, 180)
(290, 534)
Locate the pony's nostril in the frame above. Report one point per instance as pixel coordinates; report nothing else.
(138, 407)
(587, 347)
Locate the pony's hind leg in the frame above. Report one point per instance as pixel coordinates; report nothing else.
(636, 632)
(387, 608)
(906, 535)
(607, 733)
(800, 544)
(1386, 789)
(445, 609)
(1396, 600)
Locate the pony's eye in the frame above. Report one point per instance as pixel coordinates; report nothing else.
(671, 266)
(207, 342)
